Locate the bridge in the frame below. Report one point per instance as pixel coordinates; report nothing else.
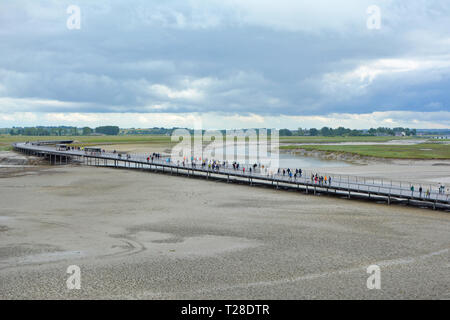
(351, 187)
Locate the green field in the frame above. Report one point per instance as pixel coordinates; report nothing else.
(7, 139)
(321, 139)
(164, 138)
(5, 148)
(416, 151)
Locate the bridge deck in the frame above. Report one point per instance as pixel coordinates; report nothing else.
(349, 186)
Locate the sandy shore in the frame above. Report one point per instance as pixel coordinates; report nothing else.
(141, 148)
(140, 235)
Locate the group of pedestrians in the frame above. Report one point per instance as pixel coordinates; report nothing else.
(212, 165)
(290, 173)
(153, 156)
(321, 180)
(427, 193)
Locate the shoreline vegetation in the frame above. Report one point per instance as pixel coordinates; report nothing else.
(420, 151)
(339, 139)
(312, 147)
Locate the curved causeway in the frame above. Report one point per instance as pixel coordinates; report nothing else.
(349, 187)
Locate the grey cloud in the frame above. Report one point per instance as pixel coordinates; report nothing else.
(176, 56)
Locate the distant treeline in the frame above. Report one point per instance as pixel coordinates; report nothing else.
(434, 132)
(114, 130)
(341, 131)
(61, 131)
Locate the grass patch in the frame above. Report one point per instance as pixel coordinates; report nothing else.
(321, 139)
(7, 139)
(438, 151)
(416, 151)
(153, 140)
(5, 148)
(80, 141)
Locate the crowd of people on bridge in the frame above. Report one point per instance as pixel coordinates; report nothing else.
(427, 193)
(154, 156)
(321, 180)
(256, 168)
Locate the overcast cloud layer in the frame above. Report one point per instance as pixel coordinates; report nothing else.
(234, 63)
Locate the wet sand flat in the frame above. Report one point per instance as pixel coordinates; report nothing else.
(141, 235)
(138, 148)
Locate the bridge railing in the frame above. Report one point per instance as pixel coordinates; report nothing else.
(353, 183)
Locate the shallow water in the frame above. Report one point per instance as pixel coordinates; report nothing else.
(294, 161)
(285, 160)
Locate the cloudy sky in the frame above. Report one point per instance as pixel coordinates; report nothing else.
(228, 63)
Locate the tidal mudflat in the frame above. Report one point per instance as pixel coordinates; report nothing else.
(141, 235)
